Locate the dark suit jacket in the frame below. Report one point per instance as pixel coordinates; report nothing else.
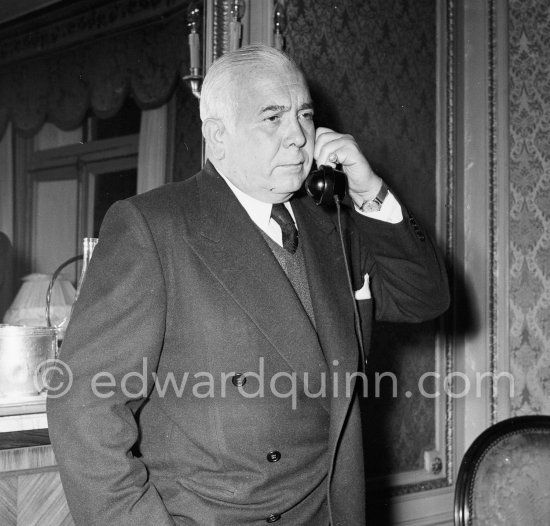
(183, 285)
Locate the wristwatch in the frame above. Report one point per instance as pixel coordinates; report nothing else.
(374, 205)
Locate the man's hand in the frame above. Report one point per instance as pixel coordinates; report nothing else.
(333, 148)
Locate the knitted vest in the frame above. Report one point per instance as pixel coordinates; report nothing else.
(295, 270)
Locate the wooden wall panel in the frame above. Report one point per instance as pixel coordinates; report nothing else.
(41, 501)
(31, 493)
(33, 499)
(8, 501)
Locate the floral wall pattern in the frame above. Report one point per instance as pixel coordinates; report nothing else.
(529, 59)
(371, 69)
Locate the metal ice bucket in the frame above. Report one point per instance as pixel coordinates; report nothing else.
(23, 353)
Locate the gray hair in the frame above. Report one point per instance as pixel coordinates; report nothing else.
(218, 94)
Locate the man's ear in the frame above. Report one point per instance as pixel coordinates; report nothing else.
(213, 131)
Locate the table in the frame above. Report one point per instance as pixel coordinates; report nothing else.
(30, 487)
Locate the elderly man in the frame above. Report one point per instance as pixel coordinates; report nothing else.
(213, 348)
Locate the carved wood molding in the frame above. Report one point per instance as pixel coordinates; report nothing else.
(498, 206)
(450, 224)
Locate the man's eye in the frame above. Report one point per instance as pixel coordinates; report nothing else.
(308, 115)
(272, 118)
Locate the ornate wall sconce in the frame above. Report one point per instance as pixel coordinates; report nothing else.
(279, 25)
(195, 77)
(223, 27)
(236, 13)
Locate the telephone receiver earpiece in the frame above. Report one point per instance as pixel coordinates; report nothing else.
(324, 184)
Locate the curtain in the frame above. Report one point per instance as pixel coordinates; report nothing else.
(96, 74)
(6, 184)
(152, 156)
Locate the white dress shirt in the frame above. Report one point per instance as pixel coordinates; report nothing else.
(260, 212)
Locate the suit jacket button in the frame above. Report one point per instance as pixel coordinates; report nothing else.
(238, 380)
(273, 456)
(272, 518)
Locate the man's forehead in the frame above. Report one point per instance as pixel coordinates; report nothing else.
(274, 91)
(276, 78)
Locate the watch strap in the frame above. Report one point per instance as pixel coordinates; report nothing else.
(374, 205)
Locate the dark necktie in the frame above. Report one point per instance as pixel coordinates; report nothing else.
(282, 216)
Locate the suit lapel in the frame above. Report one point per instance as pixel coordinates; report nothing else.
(236, 253)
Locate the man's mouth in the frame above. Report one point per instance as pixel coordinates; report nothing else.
(297, 164)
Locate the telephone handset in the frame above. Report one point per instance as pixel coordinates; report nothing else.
(324, 184)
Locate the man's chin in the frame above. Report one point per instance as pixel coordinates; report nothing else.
(281, 193)
(286, 183)
(290, 187)
(292, 179)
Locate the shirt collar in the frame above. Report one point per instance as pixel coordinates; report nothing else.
(259, 211)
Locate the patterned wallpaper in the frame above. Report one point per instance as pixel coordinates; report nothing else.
(371, 70)
(529, 59)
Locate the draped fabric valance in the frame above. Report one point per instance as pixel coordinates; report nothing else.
(136, 47)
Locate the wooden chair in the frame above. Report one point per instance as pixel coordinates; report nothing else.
(504, 477)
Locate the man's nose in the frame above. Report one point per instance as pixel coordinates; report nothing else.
(295, 135)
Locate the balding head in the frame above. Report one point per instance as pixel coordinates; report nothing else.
(230, 73)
